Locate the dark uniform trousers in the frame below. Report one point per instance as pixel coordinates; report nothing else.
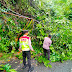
(48, 52)
(28, 55)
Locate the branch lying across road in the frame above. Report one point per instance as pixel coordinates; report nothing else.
(21, 16)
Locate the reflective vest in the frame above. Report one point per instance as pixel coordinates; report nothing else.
(24, 43)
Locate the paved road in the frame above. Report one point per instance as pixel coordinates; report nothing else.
(56, 67)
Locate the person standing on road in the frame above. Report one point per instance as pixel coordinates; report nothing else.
(25, 46)
(46, 44)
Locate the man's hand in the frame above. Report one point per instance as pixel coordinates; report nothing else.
(20, 50)
(33, 50)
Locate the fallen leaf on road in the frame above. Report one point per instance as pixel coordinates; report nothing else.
(33, 61)
(15, 57)
(15, 62)
(8, 60)
(31, 64)
(16, 69)
(18, 66)
(2, 62)
(35, 65)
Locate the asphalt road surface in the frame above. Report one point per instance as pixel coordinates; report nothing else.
(56, 67)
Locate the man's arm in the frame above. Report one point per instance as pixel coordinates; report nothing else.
(50, 42)
(29, 43)
(19, 46)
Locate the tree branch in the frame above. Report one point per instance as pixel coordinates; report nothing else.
(21, 16)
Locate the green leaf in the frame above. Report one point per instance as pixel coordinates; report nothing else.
(50, 65)
(12, 70)
(63, 54)
(39, 25)
(1, 69)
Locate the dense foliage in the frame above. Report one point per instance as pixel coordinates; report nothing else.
(55, 18)
(6, 68)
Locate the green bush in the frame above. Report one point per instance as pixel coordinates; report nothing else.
(7, 68)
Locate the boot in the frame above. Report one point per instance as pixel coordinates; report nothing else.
(31, 69)
(24, 66)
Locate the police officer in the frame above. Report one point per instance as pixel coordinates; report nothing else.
(25, 46)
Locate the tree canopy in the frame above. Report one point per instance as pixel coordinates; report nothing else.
(40, 17)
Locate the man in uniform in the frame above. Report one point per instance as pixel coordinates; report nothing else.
(46, 45)
(25, 46)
